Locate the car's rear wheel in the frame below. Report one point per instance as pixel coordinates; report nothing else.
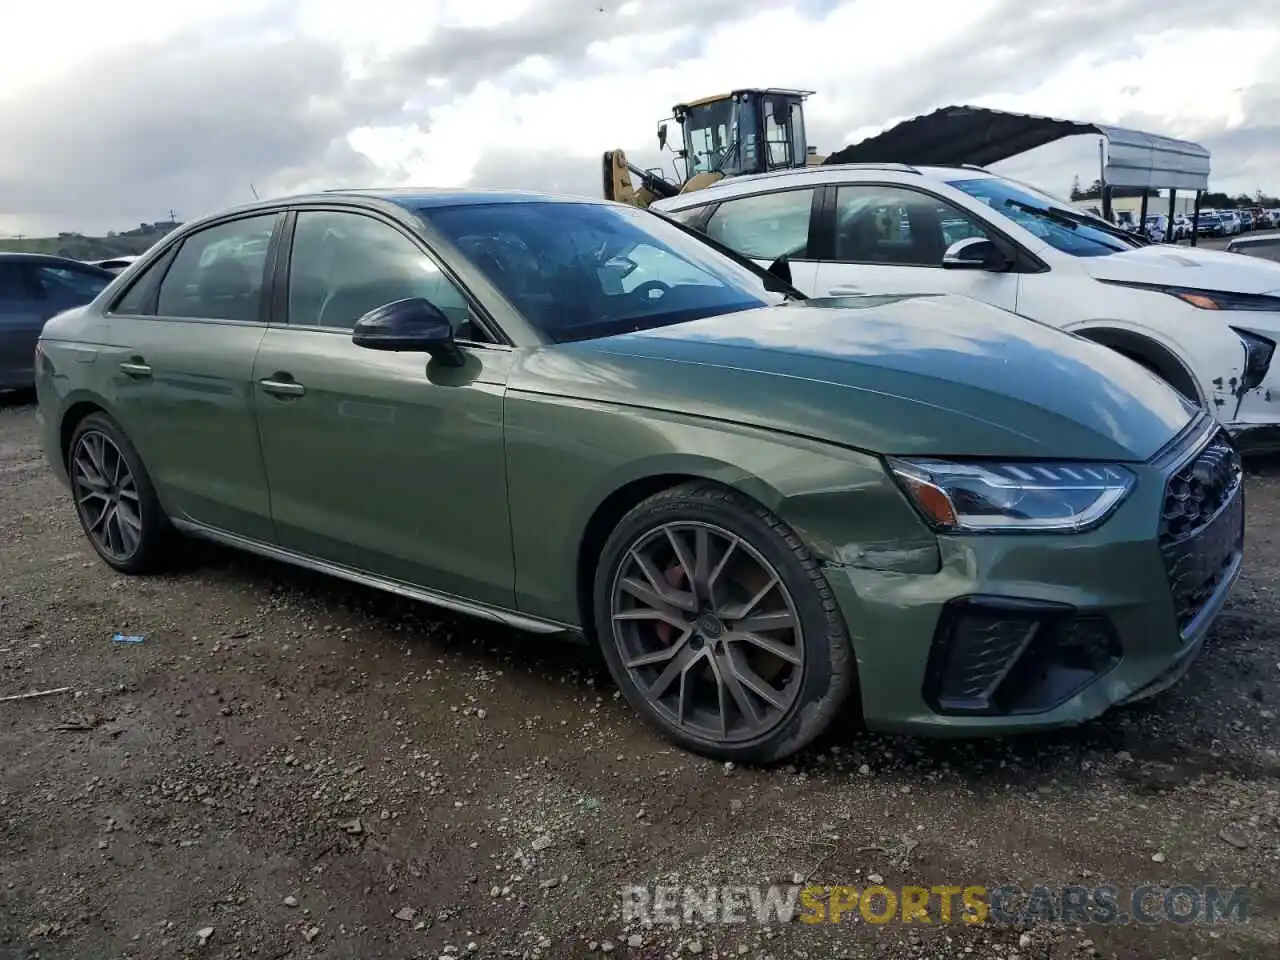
(719, 626)
(114, 498)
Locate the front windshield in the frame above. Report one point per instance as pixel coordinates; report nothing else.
(582, 270)
(709, 137)
(1061, 227)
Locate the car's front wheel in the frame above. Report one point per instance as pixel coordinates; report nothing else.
(114, 498)
(719, 626)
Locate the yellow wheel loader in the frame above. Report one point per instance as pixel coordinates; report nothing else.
(746, 131)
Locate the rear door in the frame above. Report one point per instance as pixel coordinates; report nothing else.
(889, 239)
(182, 344)
(766, 226)
(21, 318)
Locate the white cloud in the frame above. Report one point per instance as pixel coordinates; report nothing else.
(536, 108)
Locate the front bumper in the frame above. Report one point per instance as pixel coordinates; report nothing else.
(1053, 629)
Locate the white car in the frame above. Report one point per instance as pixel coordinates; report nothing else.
(1231, 222)
(1205, 321)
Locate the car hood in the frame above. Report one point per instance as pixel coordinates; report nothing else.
(910, 375)
(1188, 267)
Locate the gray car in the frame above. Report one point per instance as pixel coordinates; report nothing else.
(33, 287)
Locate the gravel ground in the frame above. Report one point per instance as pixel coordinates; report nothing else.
(291, 767)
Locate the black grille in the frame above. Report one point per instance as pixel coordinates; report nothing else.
(1202, 526)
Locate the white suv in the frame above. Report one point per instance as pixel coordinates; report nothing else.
(1203, 320)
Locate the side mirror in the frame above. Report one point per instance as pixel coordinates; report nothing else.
(415, 325)
(974, 253)
(662, 136)
(781, 268)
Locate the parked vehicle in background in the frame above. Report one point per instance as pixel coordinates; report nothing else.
(34, 287)
(1127, 220)
(1210, 224)
(1265, 245)
(1246, 220)
(1230, 222)
(1203, 320)
(1181, 227)
(1157, 227)
(577, 416)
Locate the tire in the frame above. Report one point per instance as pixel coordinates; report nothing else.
(142, 547)
(707, 648)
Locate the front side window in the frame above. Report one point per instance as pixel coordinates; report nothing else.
(766, 226)
(582, 270)
(897, 226)
(345, 264)
(1059, 226)
(218, 272)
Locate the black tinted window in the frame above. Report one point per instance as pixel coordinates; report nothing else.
(580, 270)
(218, 273)
(69, 284)
(765, 226)
(893, 225)
(11, 285)
(345, 264)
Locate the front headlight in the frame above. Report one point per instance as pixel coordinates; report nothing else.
(1208, 299)
(959, 496)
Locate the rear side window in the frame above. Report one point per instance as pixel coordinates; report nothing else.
(11, 285)
(766, 226)
(218, 273)
(68, 284)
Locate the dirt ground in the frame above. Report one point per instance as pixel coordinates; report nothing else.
(288, 766)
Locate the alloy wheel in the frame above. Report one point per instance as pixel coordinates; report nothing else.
(106, 495)
(707, 631)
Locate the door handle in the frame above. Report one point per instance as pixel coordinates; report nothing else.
(136, 369)
(844, 291)
(282, 388)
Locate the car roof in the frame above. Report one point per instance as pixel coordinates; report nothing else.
(820, 173)
(1271, 236)
(414, 197)
(47, 259)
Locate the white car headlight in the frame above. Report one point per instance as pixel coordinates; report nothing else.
(969, 496)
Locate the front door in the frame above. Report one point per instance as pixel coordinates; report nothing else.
(179, 356)
(383, 462)
(890, 239)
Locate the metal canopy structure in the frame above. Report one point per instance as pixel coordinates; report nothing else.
(952, 136)
(960, 135)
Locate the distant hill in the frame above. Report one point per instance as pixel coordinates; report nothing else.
(77, 246)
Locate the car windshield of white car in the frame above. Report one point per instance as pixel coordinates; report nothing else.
(582, 270)
(1060, 227)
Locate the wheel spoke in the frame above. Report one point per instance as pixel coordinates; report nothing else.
(775, 647)
(680, 663)
(661, 655)
(764, 622)
(729, 682)
(741, 671)
(713, 578)
(667, 594)
(687, 562)
(743, 610)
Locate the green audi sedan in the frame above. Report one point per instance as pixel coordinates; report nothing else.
(575, 417)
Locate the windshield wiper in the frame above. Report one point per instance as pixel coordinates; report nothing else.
(1072, 220)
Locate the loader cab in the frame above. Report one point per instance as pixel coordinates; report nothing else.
(747, 131)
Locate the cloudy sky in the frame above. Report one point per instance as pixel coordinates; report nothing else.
(115, 113)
